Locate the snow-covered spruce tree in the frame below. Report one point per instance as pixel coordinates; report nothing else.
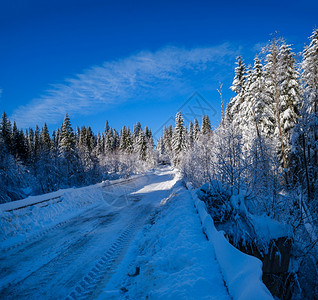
(238, 86)
(99, 148)
(162, 152)
(34, 148)
(196, 129)
(58, 137)
(15, 140)
(167, 140)
(149, 137)
(125, 142)
(142, 146)
(178, 139)
(69, 164)
(289, 96)
(310, 73)
(13, 174)
(244, 118)
(46, 168)
(150, 147)
(45, 140)
(271, 95)
(206, 125)
(259, 110)
(191, 137)
(30, 146)
(135, 134)
(86, 145)
(54, 153)
(115, 145)
(108, 140)
(310, 113)
(6, 131)
(19, 144)
(161, 146)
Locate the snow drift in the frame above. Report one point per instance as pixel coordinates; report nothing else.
(242, 272)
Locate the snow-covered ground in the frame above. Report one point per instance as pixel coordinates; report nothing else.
(171, 257)
(50, 244)
(139, 238)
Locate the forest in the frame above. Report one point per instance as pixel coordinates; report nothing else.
(267, 138)
(265, 147)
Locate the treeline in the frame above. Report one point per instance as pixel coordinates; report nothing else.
(267, 140)
(266, 150)
(268, 137)
(35, 161)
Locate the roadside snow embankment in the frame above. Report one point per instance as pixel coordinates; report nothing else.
(242, 272)
(27, 217)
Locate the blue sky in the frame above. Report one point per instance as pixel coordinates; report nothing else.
(125, 61)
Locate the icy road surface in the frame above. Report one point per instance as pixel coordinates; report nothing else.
(80, 257)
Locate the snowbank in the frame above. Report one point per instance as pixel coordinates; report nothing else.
(242, 273)
(27, 217)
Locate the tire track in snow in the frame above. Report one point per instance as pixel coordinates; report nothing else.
(39, 235)
(98, 276)
(70, 248)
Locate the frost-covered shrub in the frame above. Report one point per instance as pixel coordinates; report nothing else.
(229, 214)
(217, 201)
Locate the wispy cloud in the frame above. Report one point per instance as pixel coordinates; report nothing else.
(145, 75)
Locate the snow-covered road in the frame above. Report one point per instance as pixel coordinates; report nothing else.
(79, 254)
(139, 238)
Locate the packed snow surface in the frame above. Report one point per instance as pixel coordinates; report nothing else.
(139, 238)
(172, 256)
